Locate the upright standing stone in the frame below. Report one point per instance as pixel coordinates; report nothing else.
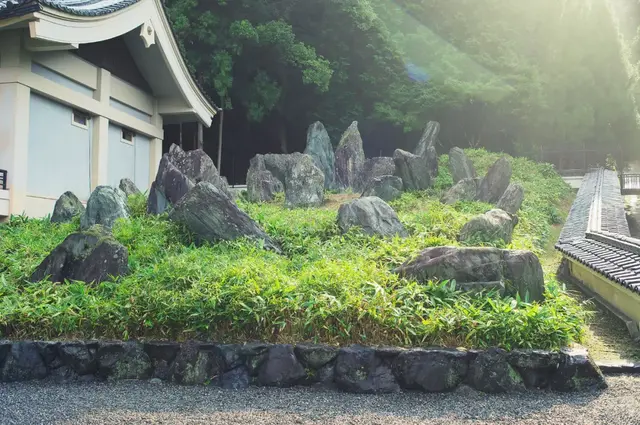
(66, 208)
(494, 184)
(373, 168)
(262, 185)
(412, 169)
(304, 185)
(349, 157)
(428, 139)
(320, 150)
(432, 162)
(460, 165)
(128, 187)
(511, 200)
(105, 205)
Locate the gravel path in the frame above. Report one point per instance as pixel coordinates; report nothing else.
(146, 403)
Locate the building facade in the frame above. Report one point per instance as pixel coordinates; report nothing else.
(85, 89)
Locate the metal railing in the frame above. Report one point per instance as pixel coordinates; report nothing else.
(3, 179)
(629, 183)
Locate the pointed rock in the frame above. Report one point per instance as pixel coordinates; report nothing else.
(128, 187)
(349, 157)
(429, 138)
(212, 216)
(511, 200)
(412, 169)
(494, 184)
(319, 148)
(460, 165)
(105, 205)
(66, 208)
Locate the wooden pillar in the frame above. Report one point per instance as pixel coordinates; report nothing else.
(200, 144)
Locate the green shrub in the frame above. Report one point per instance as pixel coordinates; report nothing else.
(325, 287)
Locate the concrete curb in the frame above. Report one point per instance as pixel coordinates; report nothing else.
(619, 368)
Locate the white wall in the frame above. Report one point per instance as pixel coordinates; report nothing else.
(128, 160)
(59, 156)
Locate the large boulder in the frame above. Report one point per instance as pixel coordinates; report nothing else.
(412, 169)
(434, 370)
(128, 187)
(90, 256)
(349, 157)
(475, 266)
(373, 168)
(429, 138)
(319, 148)
(360, 370)
(212, 216)
(577, 371)
(495, 182)
(464, 190)
(178, 173)
(304, 184)
(460, 165)
(105, 205)
(387, 188)
(511, 200)
(280, 164)
(66, 208)
(491, 226)
(432, 162)
(490, 372)
(262, 185)
(372, 215)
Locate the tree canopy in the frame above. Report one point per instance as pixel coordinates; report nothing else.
(507, 75)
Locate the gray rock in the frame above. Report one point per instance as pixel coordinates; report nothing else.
(66, 208)
(482, 265)
(212, 216)
(359, 370)
(412, 169)
(460, 165)
(91, 256)
(23, 362)
(433, 370)
(429, 138)
(432, 163)
(105, 205)
(194, 365)
(511, 200)
(179, 172)
(123, 360)
(464, 190)
(304, 185)
(280, 165)
(373, 168)
(281, 368)
(235, 379)
(491, 226)
(262, 185)
(78, 356)
(490, 372)
(349, 157)
(128, 187)
(387, 188)
(495, 182)
(315, 356)
(319, 148)
(528, 270)
(577, 371)
(536, 367)
(372, 215)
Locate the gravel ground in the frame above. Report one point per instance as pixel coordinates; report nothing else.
(146, 403)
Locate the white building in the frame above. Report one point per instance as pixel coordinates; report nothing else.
(85, 89)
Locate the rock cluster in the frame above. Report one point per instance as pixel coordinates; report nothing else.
(474, 268)
(354, 369)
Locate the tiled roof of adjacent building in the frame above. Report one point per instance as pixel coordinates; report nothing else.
(10, 8)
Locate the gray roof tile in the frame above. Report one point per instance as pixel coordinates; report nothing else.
(10, 8)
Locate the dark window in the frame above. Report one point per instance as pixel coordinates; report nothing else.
(128, 135)
(80, 118)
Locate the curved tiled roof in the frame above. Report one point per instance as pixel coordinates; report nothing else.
(74, 7)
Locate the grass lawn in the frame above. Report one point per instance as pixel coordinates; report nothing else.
(325, 287)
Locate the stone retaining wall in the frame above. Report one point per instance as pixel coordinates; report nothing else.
(353, 369)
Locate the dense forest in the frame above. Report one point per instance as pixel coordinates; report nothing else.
(515, 76)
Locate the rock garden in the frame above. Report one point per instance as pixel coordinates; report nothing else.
(328, 247)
